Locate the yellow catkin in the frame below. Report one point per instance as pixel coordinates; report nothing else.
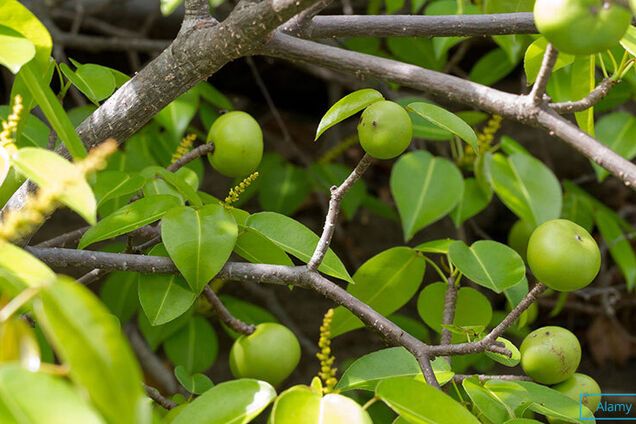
(183, 148)
(17, 223)
(327, 371)
(484, 141)
(338, 149)
(236, 191)
(10, 126)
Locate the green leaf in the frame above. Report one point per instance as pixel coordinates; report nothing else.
(629, 40)
(416, 51)
(419, 402)
(620, 248)
(199, 241)
(526, 186)
(547, 401)
(17, 17)
(53, 110)
(534, 56)
(176, 117)
(445, 120)
(435, 246)
(617, 131)
(119, 294)
(49, 170)
(578, 209)
(95, 81)
(90, 342)
(246, 312)
(112, 184)
(194, 346)
(472, 307)
(284, 189)
(256, 248)
(492, 67)
(164, 297)
(366, 372)
(512, 361)
(425, 188)
(385, 282)
(132, 216)
(169, 6)
(413, 326)
(473, 201)
(582, 83)
(155, 335)
(182, 184)
(490, 406)
(16, 263)
(213, 96)
(348, 106)
(15, 50)
(236, 401)
(488, 263)
(31, 398)
(194, 383)
(297, 240)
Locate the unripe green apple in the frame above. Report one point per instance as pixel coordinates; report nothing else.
(581, 27)
(574, 386)
(563, 255)
(238, 144)
(519, 236)
(385, 130)
(550, 355)
(270, 353)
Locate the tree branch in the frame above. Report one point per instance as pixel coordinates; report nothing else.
(156, 395)
(337, 194)
(197, 152)
(458, 378)
(595, 96)
(225, 315)
(450, 301)
(538, 89)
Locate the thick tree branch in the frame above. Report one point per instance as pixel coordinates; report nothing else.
(595, 96)
(337, 194)
(418, 26)
(225, 315)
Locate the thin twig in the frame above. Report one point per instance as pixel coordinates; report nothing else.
(450, 301)
(595, 96)
(156, 395)
(541, 83)
(197, 152)
(337, 194)
(225, 315)
(64, 239)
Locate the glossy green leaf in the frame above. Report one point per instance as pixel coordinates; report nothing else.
(182, 184)
(297, 240)
(486, 403)
(583, 81)
(284, 189)
(445, 120)
(385, 282)
(419, 402)
(176, 117)
(547, 401)
(512, 361)
(157, 334)
(366, 372)
(417, 51)
(617, 131)
(472, 307)
(534, 56)
(213, 96)
(348, 106)
(132, 216)
(194, 346)
(49, 170)
(629, 40)
(119, 294)
(95, 81)
(112, 184)
(256, 248)
(33, 398)
(492, 67)
(511, 146)
(199, 241)
(526, 186)
(413, 326)
(425, 188)
(16, 263)
(164, 297)
(620, 248)
(15, 49)
(236, 401)
(578, 209)
(473, 201)
(488, 263)
(18, 18)
(90, 342)
(246, 312)
(53, 110)
(435, 246)
(194, 383)
(169, 6)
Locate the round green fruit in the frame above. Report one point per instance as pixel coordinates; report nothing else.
(519, 236)
(550, 355)
(270, 353)
(632, 4)
(581, 383)
(581, 27)
(385, 130)
(238, 144)
(563, 255)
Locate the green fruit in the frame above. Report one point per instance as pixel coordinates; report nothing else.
(270, 353)
(632, 4)
(581, 383)
(238, 144)
(550, 355)
(519, 236)
(581, 27)
(385, 130)
(563, 255)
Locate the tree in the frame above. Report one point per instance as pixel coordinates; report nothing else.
(166, 247)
